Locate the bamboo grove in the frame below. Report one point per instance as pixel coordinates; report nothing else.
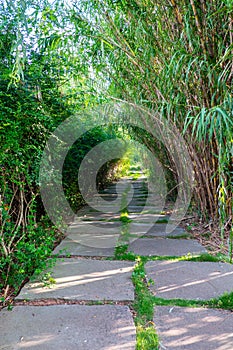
(175, 57)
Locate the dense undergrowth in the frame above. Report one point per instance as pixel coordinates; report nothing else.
(35, 97)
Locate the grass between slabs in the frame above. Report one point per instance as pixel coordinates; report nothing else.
(122, 253)
(146, 336)
(181, 236)
(225, 301)
(143, 306)
(145, 301)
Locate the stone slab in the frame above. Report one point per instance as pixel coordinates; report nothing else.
(103, 236)
(189, 279)
(96, 228)
(194, 328)
(95, 241)
(108, 234)
(147, 218)
(85, 232)
(79, 224)
(144, 209)
(138, 200)
(165, 247)
(95, 234)
(68, 327)
(106, 196)
(139, 196)
(100, 238)
(73, 248)
(99, 216)
(84, 280)
(155, 230)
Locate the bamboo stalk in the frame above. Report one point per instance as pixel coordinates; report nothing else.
(199, 28)
(177, 13)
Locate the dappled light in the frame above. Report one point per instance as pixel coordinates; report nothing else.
(69, 327)
(75, 280)
(44, 339)
(191, 328)
(84, 280)
(190, 280)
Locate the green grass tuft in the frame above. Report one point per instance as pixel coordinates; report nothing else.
(182, 236)
(225, 301)
(162, 221)
(204, 257)
(178, 302)
(147, 338)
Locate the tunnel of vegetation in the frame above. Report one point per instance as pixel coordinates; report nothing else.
(57, 59)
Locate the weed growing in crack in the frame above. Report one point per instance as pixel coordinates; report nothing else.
(147, 338)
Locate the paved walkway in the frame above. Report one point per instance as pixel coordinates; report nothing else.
(87, 302)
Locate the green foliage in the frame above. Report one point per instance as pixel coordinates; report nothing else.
(147, 338)
(175, 58)
(28, 256)
(205, 257)
(162, 221)
(73, 161)
(181, 236)
(124, 218)
(223, 302)
(43, 81)
(120, 250)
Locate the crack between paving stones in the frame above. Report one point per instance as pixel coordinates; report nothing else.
(81, 257)
(61, 301)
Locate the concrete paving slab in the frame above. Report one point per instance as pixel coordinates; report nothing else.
(68, 327)
(113, 191)
(135, 208)
(106, 196)
(85, 280)
(165, 247)
(99, 216)
(155, 230)
(102, 236)
(75, 249)
(95, 240)
(96, 228)
(138, 200)
(194, 328)
(79, 224)
(106, 228)
(137, 218)
(100, 240)
(87, 209)
(189, 279)
(149, 218)
(144, 209)
(140, 196)
(139, 229)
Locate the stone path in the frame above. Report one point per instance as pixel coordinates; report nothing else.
(194, 328)
(88, 302)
